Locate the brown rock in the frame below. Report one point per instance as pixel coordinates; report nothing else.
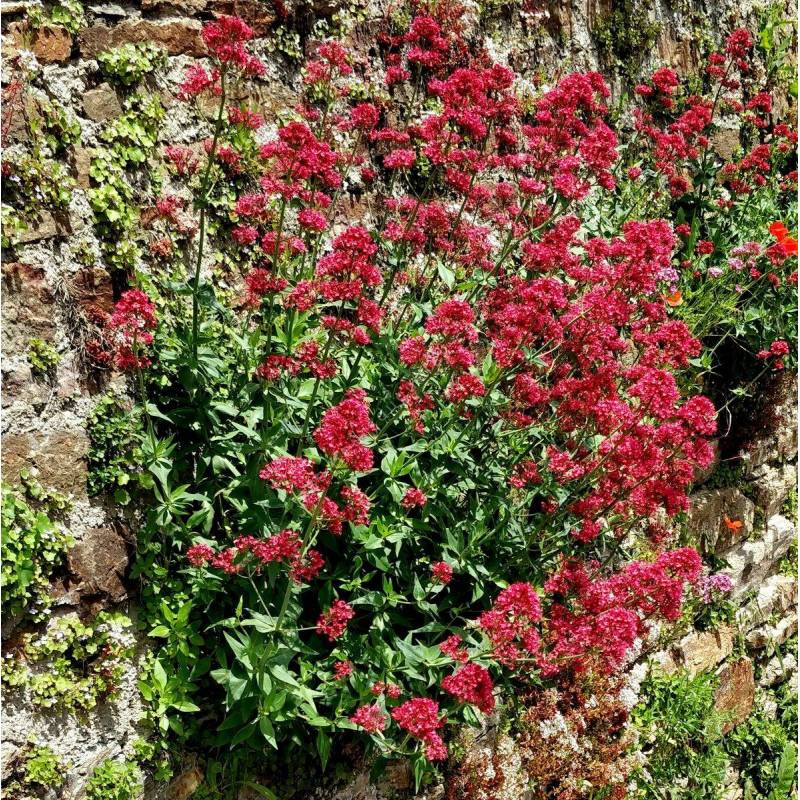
(726, 143)
(182, 6)
(61, 461)
(82, 160)
(60, 458)
(736, 693)
(101, 103)
(175, 36)
(703, 650)
(98, 562)
(21, 109)
(678, 53)
(185, 785)
(50, 44)
(92, 287)
(258, 15)
(46, 226)
(27, 307)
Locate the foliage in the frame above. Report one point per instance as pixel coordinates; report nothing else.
(129, 140)
(113, 450)
(397, 459)
(72, 665)
(34, 178)
(131, 62)
(34, 769)
(33, 547)
(68, 13)
(759, 745)
(681, 737)
(42, 357)
(114, 780)
(288, 484)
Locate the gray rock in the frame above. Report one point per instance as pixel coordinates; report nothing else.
(750, 563)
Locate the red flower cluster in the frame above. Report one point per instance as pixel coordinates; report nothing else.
(370, 718)
(285, 547)
(420, 717)
(510, 623)
(127, 332)
(341, 429)
(333, 622)
(471, 684)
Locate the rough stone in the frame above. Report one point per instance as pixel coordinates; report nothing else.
(735, 694)
(726, 142)
(92, 287)
(185, 785)
(98, 562)
(773, 635)
(775, 597)
(101, 103)
(82, 160)
(108, 10)
(707, 512)
(771, 486)
(181, 6)
(21, 109)
(175, 36)
(778, 442)
(59, 457)
(27, 306)
(778, 670)
(45, 227)
(701, 650)
(750, 563)
(51, 44)
(258, 15)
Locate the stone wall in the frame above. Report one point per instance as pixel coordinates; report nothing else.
(56, 270)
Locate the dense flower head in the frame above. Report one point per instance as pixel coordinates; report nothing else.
(130, 328)
(413, 498)
(370, 718)
(341, 429)
(333, 622)
(420, 717)
(442, 572)
(471, 684)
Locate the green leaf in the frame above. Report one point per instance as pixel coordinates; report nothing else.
(323, 747)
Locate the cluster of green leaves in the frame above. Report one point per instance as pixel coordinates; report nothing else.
(67, 13)
(113, 455)
(129, 63)
(115, 780)
(35, 769)
(42, 357)
(33, 547)
(681, 738)
(129, 141)
(72, 665)
(35, 178)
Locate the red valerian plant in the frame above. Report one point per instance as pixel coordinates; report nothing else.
(402, 467)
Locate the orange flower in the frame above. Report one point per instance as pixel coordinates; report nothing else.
(789, 244)
(733, 525)
(674, 299)
(779, 231)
